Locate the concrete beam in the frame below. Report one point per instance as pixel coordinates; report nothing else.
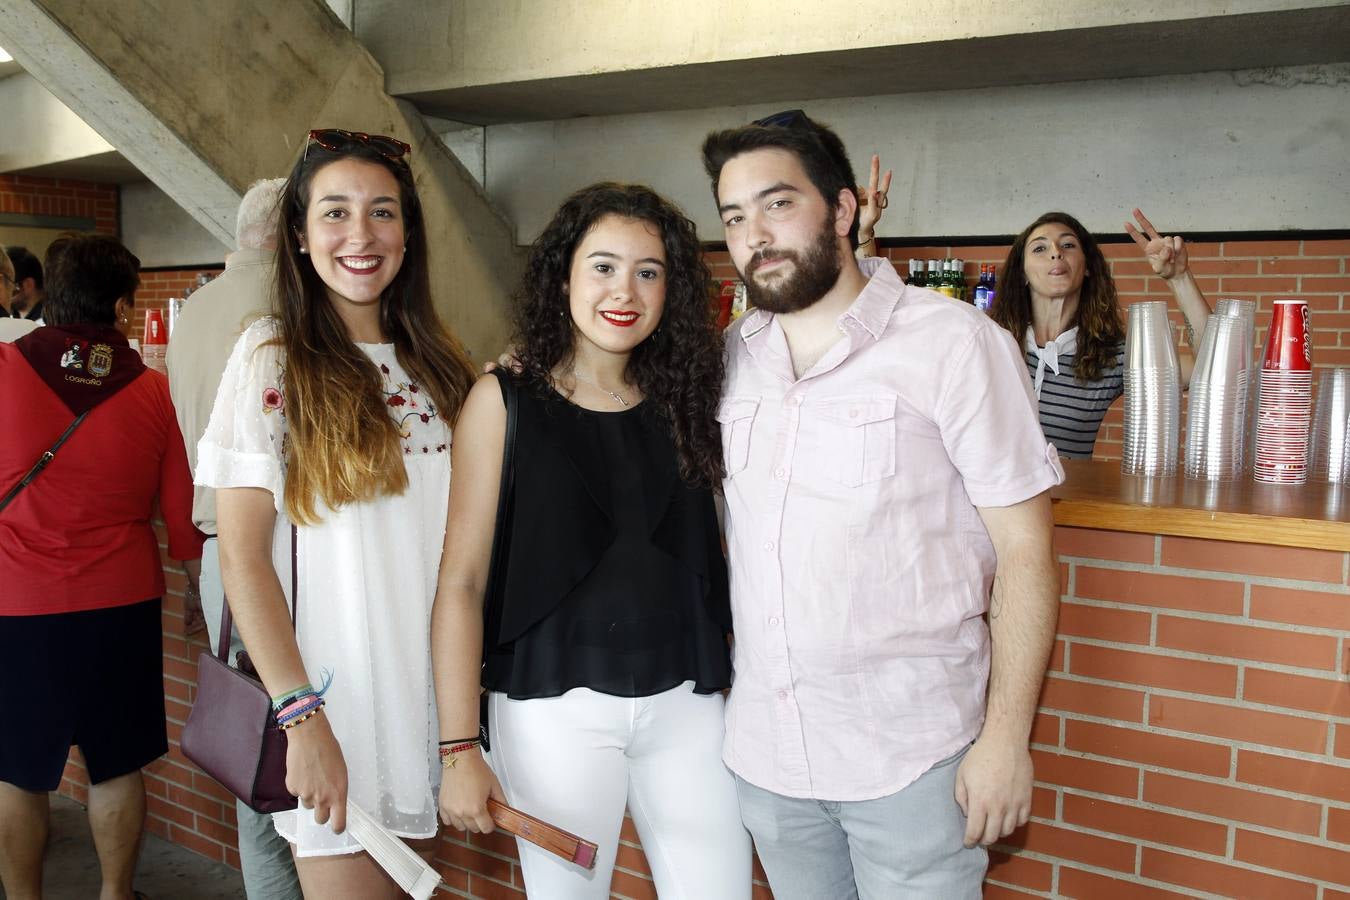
(1253, 150)
(486, 62)
(205, 97)
(41, 130)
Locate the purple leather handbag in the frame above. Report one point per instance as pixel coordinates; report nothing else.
(232, 733)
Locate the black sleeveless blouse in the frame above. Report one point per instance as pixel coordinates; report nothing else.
(613, 577)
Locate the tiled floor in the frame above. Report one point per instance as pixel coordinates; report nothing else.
(165, 872)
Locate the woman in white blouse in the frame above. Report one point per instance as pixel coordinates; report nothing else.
(334, 415)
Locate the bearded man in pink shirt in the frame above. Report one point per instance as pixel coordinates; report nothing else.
(893, 585)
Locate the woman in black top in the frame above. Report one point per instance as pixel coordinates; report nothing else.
(604, 640)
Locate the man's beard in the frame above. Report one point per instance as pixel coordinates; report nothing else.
(815, 271)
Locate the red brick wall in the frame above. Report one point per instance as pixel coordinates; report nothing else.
(61, 197)
(158, 287)
(1194, 732)
(1314, 270)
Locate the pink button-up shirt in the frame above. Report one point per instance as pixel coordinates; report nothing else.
(860, 567)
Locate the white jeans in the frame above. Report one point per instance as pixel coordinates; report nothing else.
(575, 760)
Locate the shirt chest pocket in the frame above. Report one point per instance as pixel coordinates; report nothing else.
(860, 435)
(736, 415)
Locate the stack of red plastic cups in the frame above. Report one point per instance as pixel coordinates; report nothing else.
(1284, 408)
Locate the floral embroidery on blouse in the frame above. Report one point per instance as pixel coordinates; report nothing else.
(272, 400)
(407, 405)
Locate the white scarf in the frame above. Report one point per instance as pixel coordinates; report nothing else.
(1048, 356)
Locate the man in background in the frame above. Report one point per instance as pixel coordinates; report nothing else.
(203, 337)
(26, 302)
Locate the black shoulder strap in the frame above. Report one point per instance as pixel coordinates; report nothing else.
(43, 461)
(503, 491)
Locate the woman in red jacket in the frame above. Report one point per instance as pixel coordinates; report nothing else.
(80, 651)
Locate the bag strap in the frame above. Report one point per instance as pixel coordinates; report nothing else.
(227, 621)
(43, 461)
(507, 480)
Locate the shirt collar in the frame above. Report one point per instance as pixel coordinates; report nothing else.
(1047, 357)
(871, 309)
(249, 256)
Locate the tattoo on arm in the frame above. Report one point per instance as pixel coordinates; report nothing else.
(996, 600)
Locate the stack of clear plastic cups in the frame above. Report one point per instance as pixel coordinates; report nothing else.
(1245, 310)
(1329, 459)
(1217, 411)
(1152, 393)
(1284, 409)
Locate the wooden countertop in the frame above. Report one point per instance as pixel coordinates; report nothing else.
(1096, 495)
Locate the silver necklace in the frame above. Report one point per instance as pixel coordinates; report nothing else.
(615, 394)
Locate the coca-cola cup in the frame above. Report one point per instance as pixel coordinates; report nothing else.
(156, 340)
(1289, 344)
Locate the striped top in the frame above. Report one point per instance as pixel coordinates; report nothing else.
(1071, 412)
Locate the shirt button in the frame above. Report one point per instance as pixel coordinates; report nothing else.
(782, 695)
(853, 414)
(796, 401)
(773, 620)
(768, 545)
(780, 473)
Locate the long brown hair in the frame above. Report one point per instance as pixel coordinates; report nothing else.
(344, 447)
(1098, 318)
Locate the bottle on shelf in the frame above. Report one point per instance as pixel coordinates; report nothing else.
(959, 280)
(934, 277)
(916, 273)
(984, 294)
(946, 285)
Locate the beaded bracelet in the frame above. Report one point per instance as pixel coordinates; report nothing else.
(300, 704)
(293, 712)
(305, 718)
(448, 758)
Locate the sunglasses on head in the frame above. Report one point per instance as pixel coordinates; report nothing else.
(335, 140)
(788, 118)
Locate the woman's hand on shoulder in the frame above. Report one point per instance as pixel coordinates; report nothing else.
(465, 789)
(316, 773)
(1167, 255)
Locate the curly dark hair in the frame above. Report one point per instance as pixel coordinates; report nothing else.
(1100, 330)
(680, 367)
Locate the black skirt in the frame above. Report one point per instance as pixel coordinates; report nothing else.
(93, 679)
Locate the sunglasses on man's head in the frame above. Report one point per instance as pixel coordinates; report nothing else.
(335, 140)
(788, 118)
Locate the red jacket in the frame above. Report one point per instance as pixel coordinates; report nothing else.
(80, 537)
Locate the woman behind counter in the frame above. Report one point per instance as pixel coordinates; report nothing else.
(81, 660)
(1056, 296)
(606, 649)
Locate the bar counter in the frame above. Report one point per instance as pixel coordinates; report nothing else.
(1096, 495)
(1193, 732)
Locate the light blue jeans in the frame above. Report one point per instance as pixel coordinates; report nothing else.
(906, 845)
(264, 855)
